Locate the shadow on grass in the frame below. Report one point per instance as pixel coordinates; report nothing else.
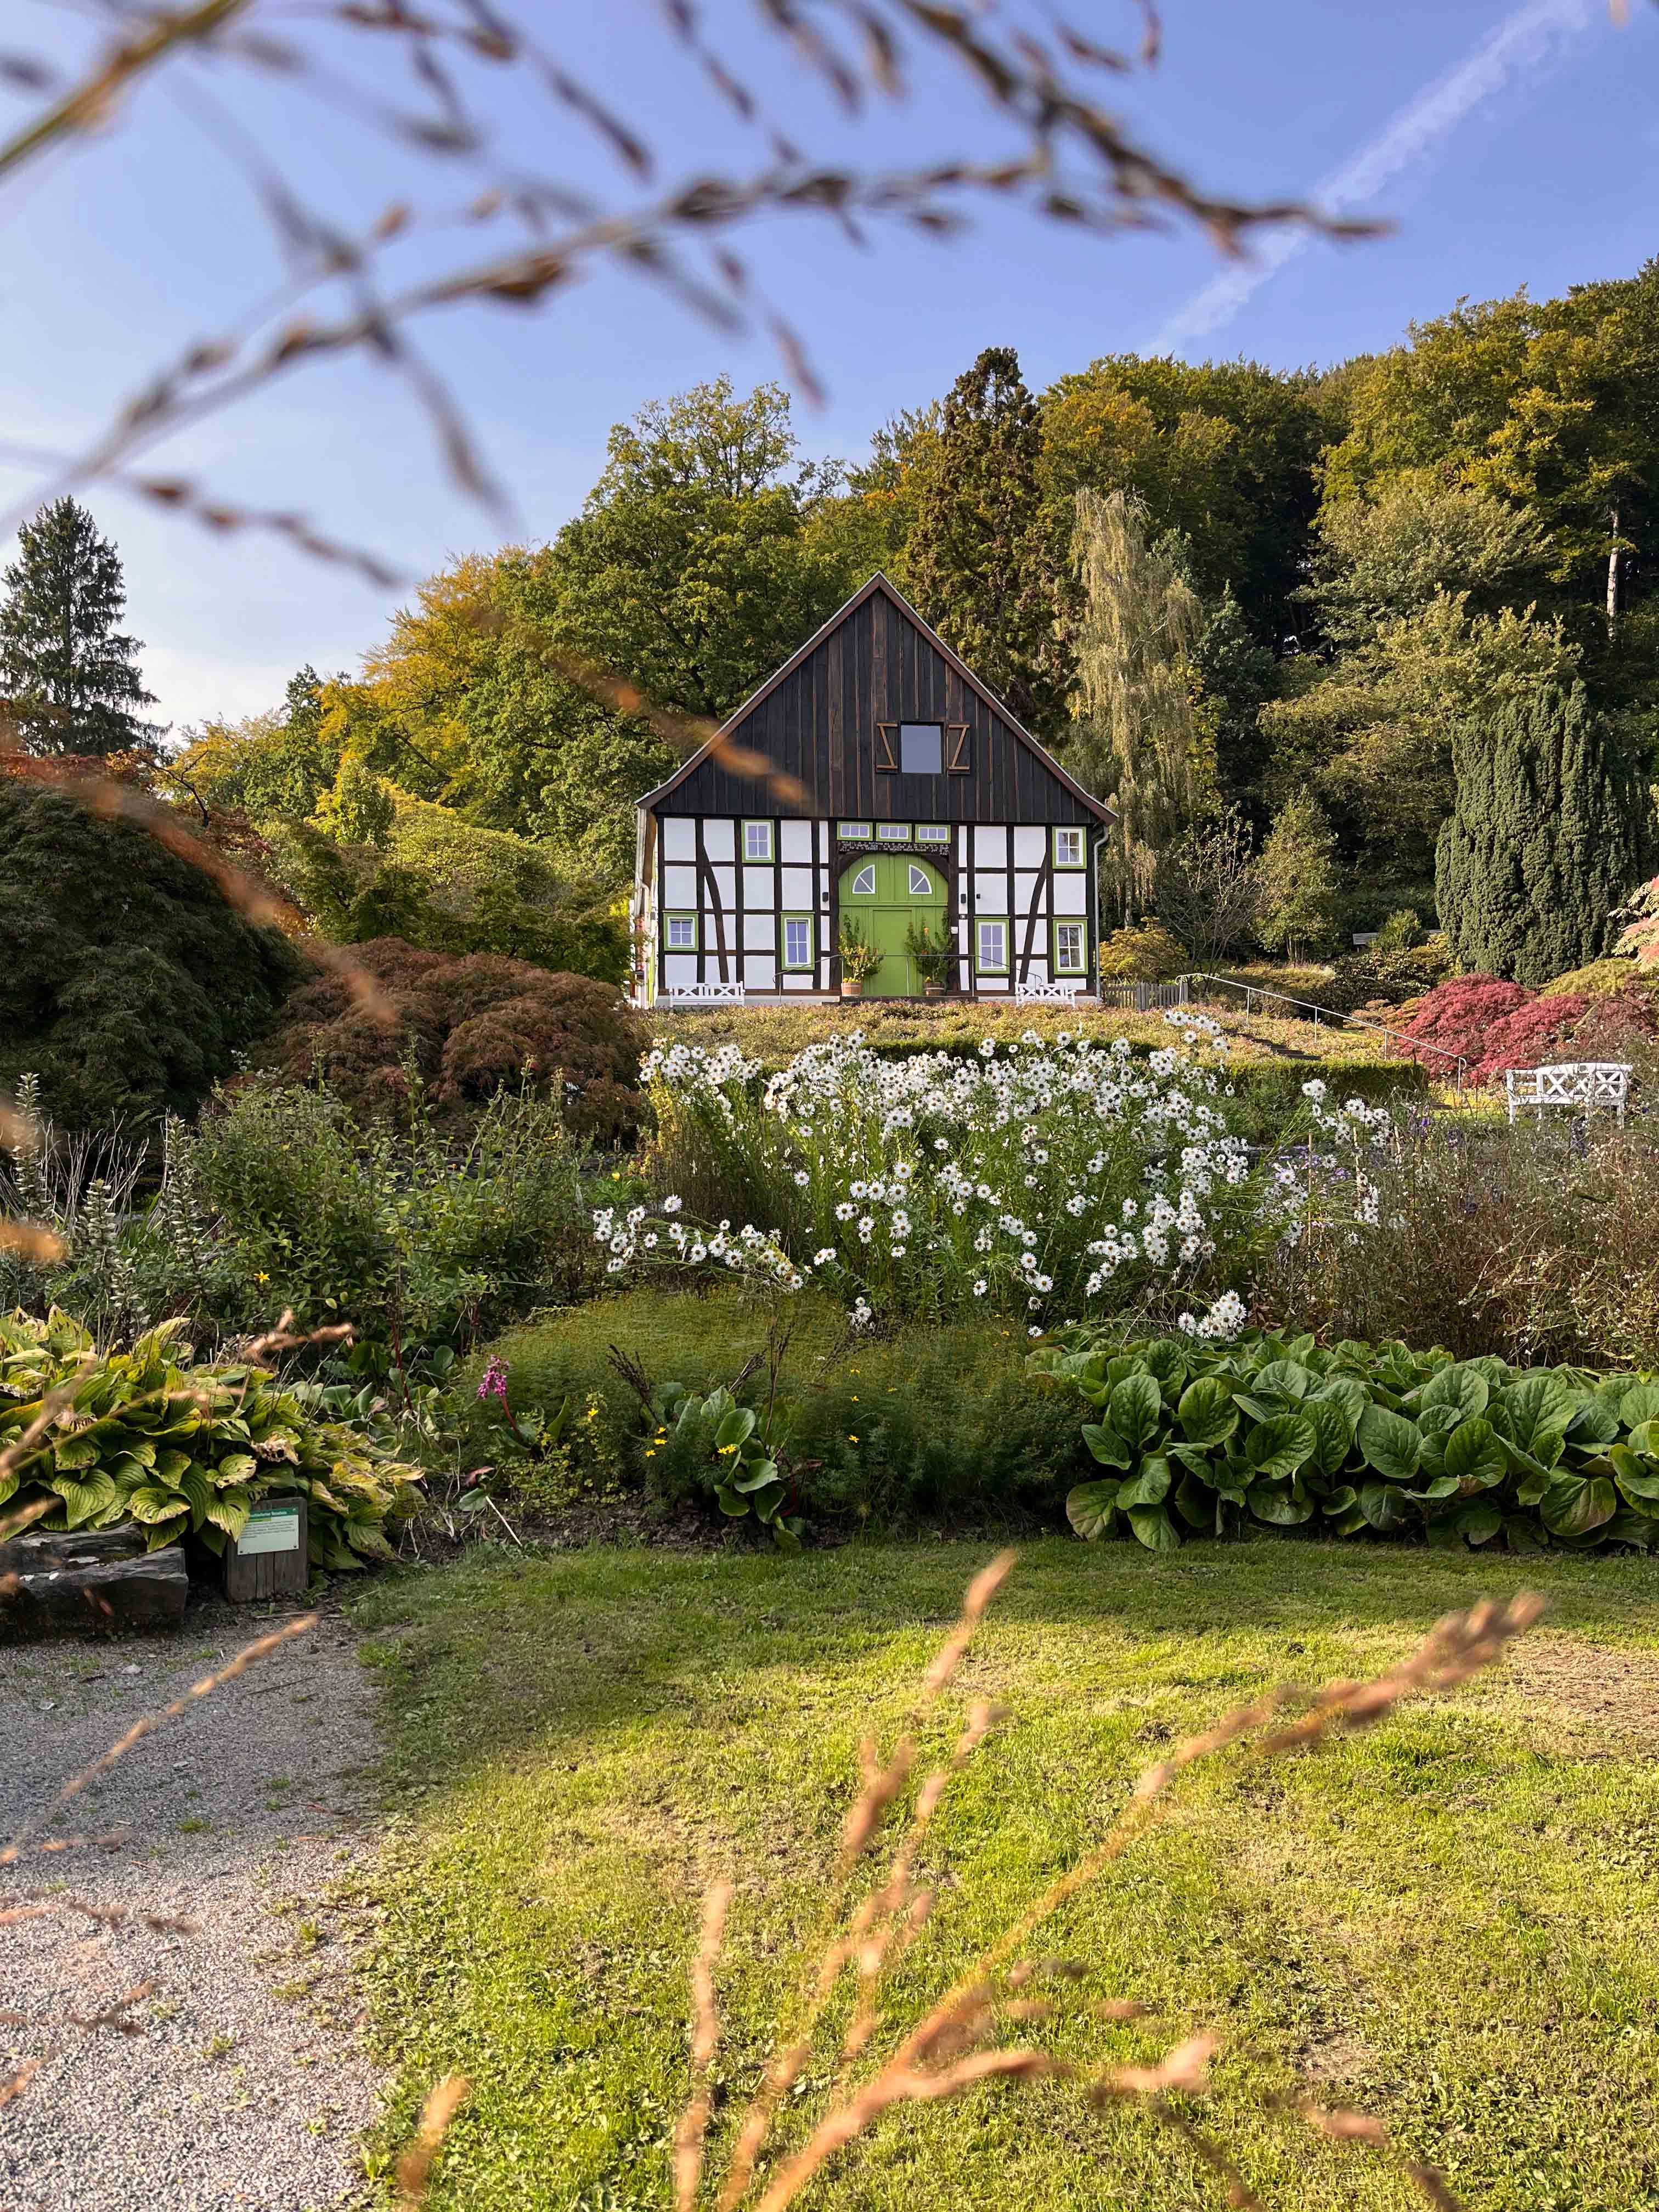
(500, 1657)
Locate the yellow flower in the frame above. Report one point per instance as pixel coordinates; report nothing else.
(651, 1454)
(852, 1440)
(262, 1279)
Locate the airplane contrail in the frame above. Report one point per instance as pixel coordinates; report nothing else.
(1526, 44)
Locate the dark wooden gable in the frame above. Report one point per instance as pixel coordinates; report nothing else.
(828, 723)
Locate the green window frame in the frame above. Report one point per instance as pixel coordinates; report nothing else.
(808, 959)
(669, 942)
(1067, 840)
(981, 923)
(892, 833)
(1064, 967)
(932, 833)
(757, 859)
(855, 833)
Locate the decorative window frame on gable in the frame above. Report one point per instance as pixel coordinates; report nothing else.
(752, 858)
(1071, 846)
(922, 748)
(892, 833)
(854, 833)
(670, 922)
(932, 833)
(806, 960)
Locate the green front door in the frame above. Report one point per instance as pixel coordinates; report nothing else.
(883, 893)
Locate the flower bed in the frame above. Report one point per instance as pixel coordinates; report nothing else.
(1047, 1179)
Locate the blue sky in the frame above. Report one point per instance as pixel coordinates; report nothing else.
(1510, 146)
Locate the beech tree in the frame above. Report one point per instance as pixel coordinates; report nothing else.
(70, 672)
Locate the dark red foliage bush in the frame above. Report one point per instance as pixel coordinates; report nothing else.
(1620, 1025)
(1458, 1015)
(468, 1026)
(1535, 1032)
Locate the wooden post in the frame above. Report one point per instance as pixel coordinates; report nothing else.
(269, 1559)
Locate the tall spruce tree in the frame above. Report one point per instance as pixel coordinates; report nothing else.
(1548, 833)
(69, 673)
(979, 564)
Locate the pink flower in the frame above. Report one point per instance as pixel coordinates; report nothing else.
(494, 1384)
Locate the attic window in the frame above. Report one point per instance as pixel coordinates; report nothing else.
(922, 748)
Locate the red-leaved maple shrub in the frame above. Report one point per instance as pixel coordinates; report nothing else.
(470, 1026)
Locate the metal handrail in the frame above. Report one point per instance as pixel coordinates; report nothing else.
(1254, 991)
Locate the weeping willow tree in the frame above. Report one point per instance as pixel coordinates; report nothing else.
(1140, 739)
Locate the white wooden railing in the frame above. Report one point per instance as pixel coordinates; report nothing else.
(704, 995)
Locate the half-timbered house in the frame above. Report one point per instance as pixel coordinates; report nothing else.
(874, 782)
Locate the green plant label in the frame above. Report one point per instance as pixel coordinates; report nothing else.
(270, 1528)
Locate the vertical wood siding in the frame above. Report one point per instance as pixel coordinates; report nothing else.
(818, 727)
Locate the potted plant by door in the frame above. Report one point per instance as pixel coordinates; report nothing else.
(933, 955)
(860, 960)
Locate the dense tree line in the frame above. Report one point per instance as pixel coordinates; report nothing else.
(1316, 618)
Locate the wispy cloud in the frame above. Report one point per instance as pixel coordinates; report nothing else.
(1526, 46)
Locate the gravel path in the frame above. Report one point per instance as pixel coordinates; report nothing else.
(239, 2082)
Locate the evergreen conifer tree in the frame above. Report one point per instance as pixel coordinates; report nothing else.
(1548, 835)
(69, 673)
(979, 564)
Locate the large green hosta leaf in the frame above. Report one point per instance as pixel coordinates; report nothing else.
(1136, 1410)
(1575, 1504)
(1207, 1412)
(1458, 1388)
(1154, 1528)
(85, 1496)
(1276, 1447)
(1390, 1443)
(1474, 1455)
(1385, 1506)
(1091, 1508)
(1149, 1487)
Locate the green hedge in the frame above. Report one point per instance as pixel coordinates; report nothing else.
(1269, 1092)
(918, 1428)
(1289, 1434)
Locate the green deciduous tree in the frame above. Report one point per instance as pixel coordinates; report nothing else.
(1225, 451)
(1551, 405)
(70, 672)
(1549, 832)
(692, 571)
(359, 809)
(980, 561)
(1299, 883)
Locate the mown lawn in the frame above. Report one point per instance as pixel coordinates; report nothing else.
(1451, 1920)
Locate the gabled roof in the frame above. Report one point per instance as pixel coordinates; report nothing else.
(880, 583)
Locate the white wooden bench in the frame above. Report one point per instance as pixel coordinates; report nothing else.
(1580, 1086)
(705, 995)
(1064, 994)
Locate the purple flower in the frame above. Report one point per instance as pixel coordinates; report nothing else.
(494, 1384)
